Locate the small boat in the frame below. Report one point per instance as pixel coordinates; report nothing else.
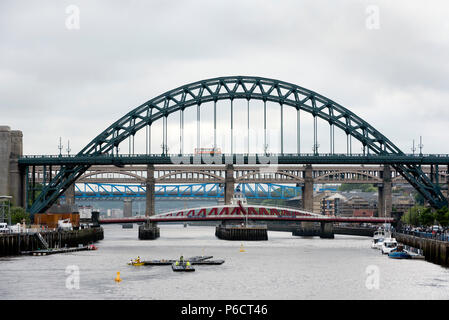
(92, 247)
(388, 245)
(136, 262)
(399, 253)
(182, 266)
(379, 235)
(377, 243)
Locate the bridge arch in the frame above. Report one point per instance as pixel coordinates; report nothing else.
(230, 88)
(369, 177)
(125, 173)
(207, 176)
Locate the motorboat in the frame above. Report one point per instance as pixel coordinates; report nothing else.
(182, 266)
(394, 254)
(388, 245)
(377, 243)
(136, 262)
(399, 253)
(378, 237)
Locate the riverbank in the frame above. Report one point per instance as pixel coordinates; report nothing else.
(435, 251)
(15, 243)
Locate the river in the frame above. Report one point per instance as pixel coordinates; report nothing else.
(284, 267)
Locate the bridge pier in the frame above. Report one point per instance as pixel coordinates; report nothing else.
(307, 189)
(70, 195)
(307, 229)
(326, 231)
(236, 232)
(12, 179)
(127, 208)
(149, 230)
(229, 183)
(150, 193)
(384, 204)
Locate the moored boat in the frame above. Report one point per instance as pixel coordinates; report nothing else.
(388, 245)
(378, 238)
(399, 253)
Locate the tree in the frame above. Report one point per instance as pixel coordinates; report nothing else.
(419, 198)
(426, 217)
(442, 216)
(411, 217)
(18, 214)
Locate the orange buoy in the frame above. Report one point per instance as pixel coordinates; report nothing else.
(117, 279)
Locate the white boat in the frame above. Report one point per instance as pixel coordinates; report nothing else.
(378, 237)
(388, 245)
(377, 243)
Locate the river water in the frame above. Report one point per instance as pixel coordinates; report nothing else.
(284, 267)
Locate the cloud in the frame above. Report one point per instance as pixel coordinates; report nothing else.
(74, 83)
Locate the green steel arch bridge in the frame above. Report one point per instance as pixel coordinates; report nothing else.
(104, 149)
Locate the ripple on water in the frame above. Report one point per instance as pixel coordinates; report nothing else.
(284, 267)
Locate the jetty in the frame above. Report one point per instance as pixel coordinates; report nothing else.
(49, 251)
(198, 260)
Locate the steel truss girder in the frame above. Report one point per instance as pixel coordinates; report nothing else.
(230, 88)
(90, 190)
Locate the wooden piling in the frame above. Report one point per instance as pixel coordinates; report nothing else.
(14, 244)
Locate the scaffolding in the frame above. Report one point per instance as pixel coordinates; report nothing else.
(5, 206)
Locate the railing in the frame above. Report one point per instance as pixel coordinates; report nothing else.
(439, 155)
(244, 158)
(427, 235)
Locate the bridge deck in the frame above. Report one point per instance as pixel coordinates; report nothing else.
(259, 213)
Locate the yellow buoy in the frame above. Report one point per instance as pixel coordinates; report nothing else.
(117, 279)
(241, 248)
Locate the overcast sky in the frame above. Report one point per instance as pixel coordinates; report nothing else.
(387, 61)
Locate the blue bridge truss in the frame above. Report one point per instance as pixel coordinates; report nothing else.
(105, 191)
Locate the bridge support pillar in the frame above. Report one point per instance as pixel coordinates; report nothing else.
(307, 189)
(327, 231)
(12, 179)
(149, 230)
(307, 229)
(127, 208)
(150, 195)
(229, 183)
(229, 232)
(70, 195)
(384, 205)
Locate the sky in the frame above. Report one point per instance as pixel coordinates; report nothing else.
(71, 68)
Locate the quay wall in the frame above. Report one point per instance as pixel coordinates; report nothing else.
(434, 251)
(14, 243)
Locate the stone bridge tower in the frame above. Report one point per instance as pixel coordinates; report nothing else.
(12, 180)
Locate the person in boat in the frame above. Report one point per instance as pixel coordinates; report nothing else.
(138, 259)
(188, 264)
(181, 259)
